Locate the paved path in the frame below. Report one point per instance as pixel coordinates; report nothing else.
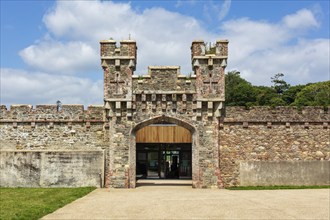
(182, 202)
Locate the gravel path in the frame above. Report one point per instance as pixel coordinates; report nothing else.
(153, 201)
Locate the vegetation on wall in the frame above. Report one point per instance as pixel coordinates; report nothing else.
(240, 92)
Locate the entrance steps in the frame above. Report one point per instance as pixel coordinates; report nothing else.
(163, 182)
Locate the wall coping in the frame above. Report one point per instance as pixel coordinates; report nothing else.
(30, 151)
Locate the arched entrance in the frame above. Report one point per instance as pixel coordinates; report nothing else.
(161, 153)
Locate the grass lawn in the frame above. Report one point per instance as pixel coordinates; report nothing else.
(33, 203)
(275, 187)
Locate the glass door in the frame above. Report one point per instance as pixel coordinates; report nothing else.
(152, 171)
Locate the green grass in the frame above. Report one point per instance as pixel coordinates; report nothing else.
(276, 187)
(33, 203)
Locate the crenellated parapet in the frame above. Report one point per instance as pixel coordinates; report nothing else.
(281, 115)
(52, 127)
(119, 65)
(209, 63)
(51, 113)
(164, 89)
(166, 79)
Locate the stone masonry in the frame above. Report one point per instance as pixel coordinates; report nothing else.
(223, 138)
(163, 95)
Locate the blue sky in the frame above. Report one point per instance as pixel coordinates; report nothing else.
(49, 49)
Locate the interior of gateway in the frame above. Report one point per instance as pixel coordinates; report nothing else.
(163, 160)
(163, 152)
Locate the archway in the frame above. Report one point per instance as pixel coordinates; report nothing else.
(158, 120)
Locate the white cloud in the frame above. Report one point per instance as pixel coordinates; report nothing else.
(258, 49)
(224, 10)
(61, 58)
(23, 87)
(215, 10)
(163, 37)
(300, 20)
(301, 63)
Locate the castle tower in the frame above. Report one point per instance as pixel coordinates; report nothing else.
(209, 63)
(119, 65)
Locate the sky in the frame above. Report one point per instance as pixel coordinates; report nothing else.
(50, 49)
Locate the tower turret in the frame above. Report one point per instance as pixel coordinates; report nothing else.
(118, 64)
(209, 63)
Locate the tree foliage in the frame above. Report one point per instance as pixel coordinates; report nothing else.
(316, 94)
(240, 92)
(279, 84)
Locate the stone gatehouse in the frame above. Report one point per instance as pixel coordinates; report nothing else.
(163, 125)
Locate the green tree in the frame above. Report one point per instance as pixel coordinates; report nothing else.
(316, 94)
(289, 96)
(239, 92)
(264, 95)
(279, 84)
(276, 101)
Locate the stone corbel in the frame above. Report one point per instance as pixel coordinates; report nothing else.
(69, 124)
(163, 97)
(325, 125)
(196, 64)
(131, 64)
(118, 109)
(306, 125)
(104, 64)
(210, 109)
(210, 62)
(88, 125)
(107, 105)
(287, 125)
(218, 110)
(153, 97)
(245, 124)
(184, 97)
(117, 62)
(174, 97)
(199, 109)
(223, 63)
(109, 113)
(269, 124)
(163, 105)
(143, 97)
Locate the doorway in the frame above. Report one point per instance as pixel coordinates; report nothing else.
(163, 161)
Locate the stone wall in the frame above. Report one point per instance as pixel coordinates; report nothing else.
(165, 79)
(51, 168)
(222, 139)
(272, 135)
(303, 173)
(45, 128)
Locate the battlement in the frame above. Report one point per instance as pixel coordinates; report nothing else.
(126, 50)
(202, 50)
(285, 114)
(161, 79)
(50, 113)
